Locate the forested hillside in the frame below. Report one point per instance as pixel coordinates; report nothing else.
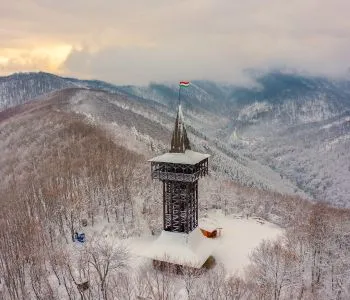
(285, 132)
(81, 154)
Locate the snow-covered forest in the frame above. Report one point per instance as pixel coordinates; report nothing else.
(288, 132)
(79, 155)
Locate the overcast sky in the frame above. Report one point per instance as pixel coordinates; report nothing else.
(137, 41)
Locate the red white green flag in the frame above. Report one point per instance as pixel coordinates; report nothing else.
(184, 84)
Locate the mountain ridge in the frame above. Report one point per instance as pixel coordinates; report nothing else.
(250, 139)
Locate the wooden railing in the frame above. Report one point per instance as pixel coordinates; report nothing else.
(175, 176)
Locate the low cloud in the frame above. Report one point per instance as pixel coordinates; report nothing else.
(134, 42)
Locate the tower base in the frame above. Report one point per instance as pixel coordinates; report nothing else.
(191, 250)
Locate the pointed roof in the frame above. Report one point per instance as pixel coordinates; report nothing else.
(180, 152)
(179, 141)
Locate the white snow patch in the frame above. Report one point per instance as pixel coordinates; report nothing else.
(251, 111)
(336, 123)
(191, 249)
(188, 158)
(208, 224)
(339, 140)
(239, 236)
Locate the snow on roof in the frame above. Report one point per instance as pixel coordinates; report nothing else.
(208, 224)
(181, 115)
(191, 249)
(188, 158)
(240, 236)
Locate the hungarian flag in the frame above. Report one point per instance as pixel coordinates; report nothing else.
(184, 83)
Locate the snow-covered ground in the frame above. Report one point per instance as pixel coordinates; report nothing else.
(239, 236)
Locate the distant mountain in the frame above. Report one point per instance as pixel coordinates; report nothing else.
(284, 98)
(21, 87)
(288, 132)
(279, 97)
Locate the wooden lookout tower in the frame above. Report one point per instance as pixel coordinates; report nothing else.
(179, 170)
(181, 243)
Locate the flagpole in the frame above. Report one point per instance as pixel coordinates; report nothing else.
(179, 101)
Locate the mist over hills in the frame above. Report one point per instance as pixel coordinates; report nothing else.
(288, 132)
(271, 90)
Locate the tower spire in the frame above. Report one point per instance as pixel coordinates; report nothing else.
(179, 140)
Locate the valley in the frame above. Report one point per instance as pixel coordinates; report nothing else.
(291, 139)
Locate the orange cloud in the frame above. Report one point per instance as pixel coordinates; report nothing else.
(47, 57)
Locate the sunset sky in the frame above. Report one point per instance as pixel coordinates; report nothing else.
(137, 41)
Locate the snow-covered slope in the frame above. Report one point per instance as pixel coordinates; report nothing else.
(284, 133)
(154, 128)
(22, 87)
(294, 124)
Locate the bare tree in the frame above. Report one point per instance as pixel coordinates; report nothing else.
(156, 284)
(190, 276)
(271, 268)
(106, 258)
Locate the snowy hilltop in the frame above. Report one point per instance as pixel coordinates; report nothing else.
(77, 199)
